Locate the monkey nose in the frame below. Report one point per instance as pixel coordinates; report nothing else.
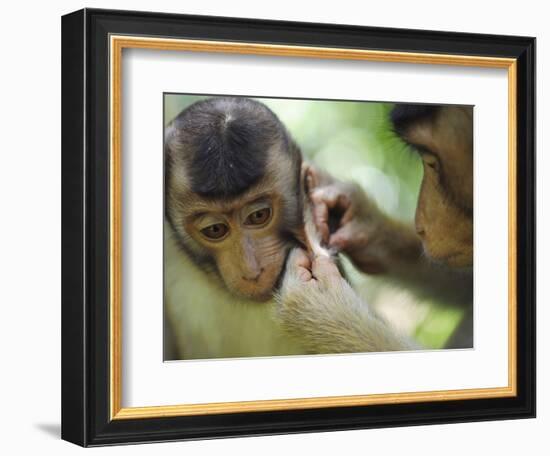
(253, 276)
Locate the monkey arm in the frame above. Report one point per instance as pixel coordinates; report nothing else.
(395, 252)
(320, 309)
(428, 280)
(378, 244)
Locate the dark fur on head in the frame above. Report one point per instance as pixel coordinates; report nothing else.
(224, 143)
(404, 116)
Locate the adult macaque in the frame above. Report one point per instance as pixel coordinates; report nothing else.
(434, 259)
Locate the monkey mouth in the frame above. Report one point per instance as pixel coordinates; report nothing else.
(261, 295)
(450, 261)
(260, 291)
(458, 260)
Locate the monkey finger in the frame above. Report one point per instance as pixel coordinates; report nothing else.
(324, 270)
(320, 219)
(298, 258)
(299, 265)
(304, 274)
(334, 197)
(326, 195)
(349, 213)
(341, 239)
(329, 202)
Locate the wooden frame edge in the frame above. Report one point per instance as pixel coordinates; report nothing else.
(512, 227)
(116, 45)
(115, 235)
(164, 411)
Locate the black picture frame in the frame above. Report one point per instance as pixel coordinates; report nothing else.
(85, 227)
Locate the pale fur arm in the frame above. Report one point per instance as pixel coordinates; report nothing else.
(326, 315)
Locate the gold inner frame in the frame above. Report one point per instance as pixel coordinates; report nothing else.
(117, 44)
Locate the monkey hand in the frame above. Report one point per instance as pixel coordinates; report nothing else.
(320, 309)
(350, 222)
(320, 272)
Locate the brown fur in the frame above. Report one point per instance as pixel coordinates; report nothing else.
(316, 306)
(322, 309)
(444, 216)
(249, 260)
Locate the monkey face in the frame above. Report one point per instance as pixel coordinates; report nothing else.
(444, 215)
(244, 239)
(233, 193)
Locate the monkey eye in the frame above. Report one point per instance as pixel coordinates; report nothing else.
(215, 232)
(258, 217)
(431, 161)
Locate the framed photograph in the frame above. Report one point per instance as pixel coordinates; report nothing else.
(277, 227)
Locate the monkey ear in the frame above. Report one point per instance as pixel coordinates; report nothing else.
(306, 183)
(312, 177)
(308, 235)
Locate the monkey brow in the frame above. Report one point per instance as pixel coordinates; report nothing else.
(422, 149)
(226, 205)
(403, 115)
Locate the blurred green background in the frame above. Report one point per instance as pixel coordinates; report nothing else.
(354, 141)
